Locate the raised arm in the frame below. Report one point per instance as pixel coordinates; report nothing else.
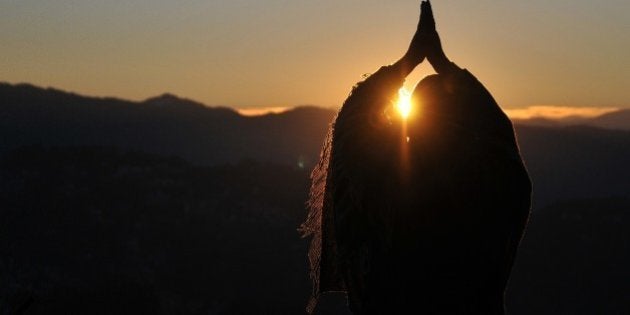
(417, 47)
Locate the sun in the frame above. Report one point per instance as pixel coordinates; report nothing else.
(403, 105)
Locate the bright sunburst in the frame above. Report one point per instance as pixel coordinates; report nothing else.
(403, 105)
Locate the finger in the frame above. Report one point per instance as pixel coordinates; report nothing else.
(420, 19)
(427, 22)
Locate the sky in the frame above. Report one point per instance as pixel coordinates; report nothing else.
(276, 53)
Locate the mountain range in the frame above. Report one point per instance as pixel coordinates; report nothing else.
(166, 124)
(169, 206)
(564, 160)
(619, 119)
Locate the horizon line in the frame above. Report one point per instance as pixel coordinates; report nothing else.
(548, 111)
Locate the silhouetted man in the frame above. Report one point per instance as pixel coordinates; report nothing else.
(424, 215)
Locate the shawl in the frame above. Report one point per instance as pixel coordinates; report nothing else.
(349, 226)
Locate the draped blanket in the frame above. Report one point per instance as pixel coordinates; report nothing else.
(464, 164)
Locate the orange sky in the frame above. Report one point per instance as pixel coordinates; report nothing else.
(277, 53)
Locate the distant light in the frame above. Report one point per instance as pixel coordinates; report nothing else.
(403, 105)
(301, 162)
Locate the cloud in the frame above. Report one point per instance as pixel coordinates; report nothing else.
(549, 112)
(258, 111)
(557, 112)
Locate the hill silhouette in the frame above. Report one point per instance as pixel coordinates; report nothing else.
(615, 120)
(166, 125)
(97, 230)
(574, 259)
(101, 231)
(619, 119)
(575, 161)
(169, 206)
(564, 161)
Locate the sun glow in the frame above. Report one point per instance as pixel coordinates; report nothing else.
(403, 105)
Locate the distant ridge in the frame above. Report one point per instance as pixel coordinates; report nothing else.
(91, 185)
(564, 160)
(619, 119)
(168, 99)
(615, 120)
(166, 124)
